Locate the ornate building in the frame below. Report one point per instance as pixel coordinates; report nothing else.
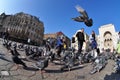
(23, 26)
(107, 37)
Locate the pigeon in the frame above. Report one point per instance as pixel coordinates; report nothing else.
(42, 64)
(84, 17)
(17, 60)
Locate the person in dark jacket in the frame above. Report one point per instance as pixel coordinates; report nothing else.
(59, 46)
(81, 39)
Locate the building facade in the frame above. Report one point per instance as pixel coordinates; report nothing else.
(107, 38)
(23, 26)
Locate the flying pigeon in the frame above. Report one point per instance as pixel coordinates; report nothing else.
(84, 17)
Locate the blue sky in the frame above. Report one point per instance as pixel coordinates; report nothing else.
(56, 14)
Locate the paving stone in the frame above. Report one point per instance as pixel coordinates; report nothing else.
(26, 73)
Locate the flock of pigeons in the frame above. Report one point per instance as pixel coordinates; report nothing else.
(68, 59)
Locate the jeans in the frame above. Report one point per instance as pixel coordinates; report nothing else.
(80, 45)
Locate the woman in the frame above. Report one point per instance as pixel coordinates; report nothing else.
(93, 43)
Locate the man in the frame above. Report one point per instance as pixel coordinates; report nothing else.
(118, 37)
(81, 39)
(59, 46)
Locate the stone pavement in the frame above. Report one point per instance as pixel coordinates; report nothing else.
(8, 71)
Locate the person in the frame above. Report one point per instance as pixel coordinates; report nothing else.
(28, 40)
(118, 40)
(118, 48)
(64, 43)
(93, 40)
(73, 42)
(81, 39)
(93, 43)
(5, 36)
(48, 46)
(59, 46)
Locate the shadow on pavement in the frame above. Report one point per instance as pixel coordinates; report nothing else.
(65, 69)
(3, 58)
(112, 76)
(31, 69)
(75, 67)
(53, 71)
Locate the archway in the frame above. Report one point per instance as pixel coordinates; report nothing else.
(108, 42)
